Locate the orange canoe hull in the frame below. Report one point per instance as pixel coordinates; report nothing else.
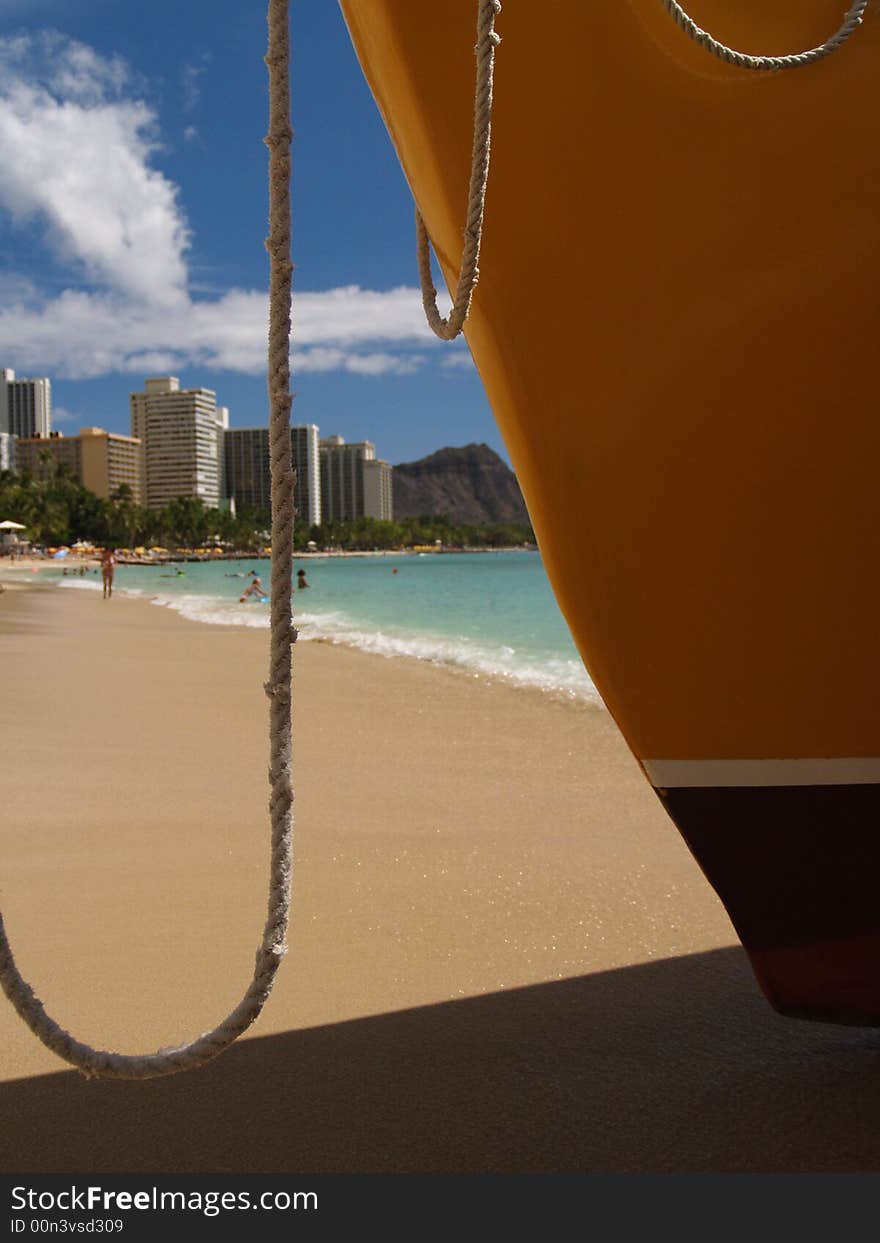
(675, 325)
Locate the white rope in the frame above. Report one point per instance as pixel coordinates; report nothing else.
(796, 60)
(96, 1062)
(487, 41)
(469, 272)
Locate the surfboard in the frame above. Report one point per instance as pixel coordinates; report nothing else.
(675, 325)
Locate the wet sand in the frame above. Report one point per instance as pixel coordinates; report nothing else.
(503, 958)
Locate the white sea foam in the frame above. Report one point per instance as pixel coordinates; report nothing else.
(501, 663)
(554, 674)
(215, 610)
(82, 584)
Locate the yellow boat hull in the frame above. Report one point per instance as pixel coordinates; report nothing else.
(675, 325)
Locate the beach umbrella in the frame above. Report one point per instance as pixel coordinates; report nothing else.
(8, 525)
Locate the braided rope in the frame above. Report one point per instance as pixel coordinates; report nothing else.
(796, 60)
(96, 1062)
(469, 272)
(487, 40)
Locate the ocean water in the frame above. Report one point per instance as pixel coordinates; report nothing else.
(492, 614)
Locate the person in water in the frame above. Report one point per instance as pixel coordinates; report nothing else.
(301, 579)
(108, 568)
(254, 588)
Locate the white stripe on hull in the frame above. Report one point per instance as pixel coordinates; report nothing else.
(845, 770)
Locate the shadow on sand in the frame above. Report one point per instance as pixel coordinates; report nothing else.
(673, 1066)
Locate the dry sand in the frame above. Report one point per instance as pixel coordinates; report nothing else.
(503, 958)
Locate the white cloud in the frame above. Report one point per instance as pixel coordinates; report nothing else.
(189, 80)
(458, 360)
(60, 414)
(80, 335)
(327, 358)
(383, 364)
(77, 159)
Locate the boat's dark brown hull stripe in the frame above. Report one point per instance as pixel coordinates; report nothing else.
(798, 870)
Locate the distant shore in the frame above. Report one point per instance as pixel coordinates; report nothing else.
(30, 562)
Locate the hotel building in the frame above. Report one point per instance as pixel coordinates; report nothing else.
(378, 497)
(248, 480)
(25, 405)
(7, 451)
(354, 482)
(181, 431)
(100, 460)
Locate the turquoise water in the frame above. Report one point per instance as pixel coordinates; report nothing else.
(491, 613)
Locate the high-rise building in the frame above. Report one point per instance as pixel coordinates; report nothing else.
(41, 455)
(378, 496)
(181, 431)
(354, 482)
(7, 451)
(307, 464)
(25, 405)
(100, 460)
(223, 501)
(248, 481)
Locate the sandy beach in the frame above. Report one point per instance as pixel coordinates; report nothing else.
(503, 958)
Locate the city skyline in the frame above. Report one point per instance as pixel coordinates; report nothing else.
(182, 447)
(144, 254)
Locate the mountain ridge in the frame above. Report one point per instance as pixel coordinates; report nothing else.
(467, 484)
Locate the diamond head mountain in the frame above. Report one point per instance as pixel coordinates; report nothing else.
(470, 484)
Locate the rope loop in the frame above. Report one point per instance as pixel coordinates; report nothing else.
(743, 60)
(168, 1061)
(469, 273)
(487, 40)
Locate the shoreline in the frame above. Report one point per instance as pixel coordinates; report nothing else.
(385, 722)
(414, 646)
(502, 956)
(29, 563)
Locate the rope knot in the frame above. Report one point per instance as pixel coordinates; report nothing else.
(282, 134)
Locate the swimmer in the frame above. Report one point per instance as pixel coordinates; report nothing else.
(301, 579)
(254, 588)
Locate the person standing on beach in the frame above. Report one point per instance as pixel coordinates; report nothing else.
(108, 568)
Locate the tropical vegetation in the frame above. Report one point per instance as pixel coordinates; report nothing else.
(57, 510)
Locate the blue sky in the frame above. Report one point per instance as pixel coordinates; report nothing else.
(133, 209)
